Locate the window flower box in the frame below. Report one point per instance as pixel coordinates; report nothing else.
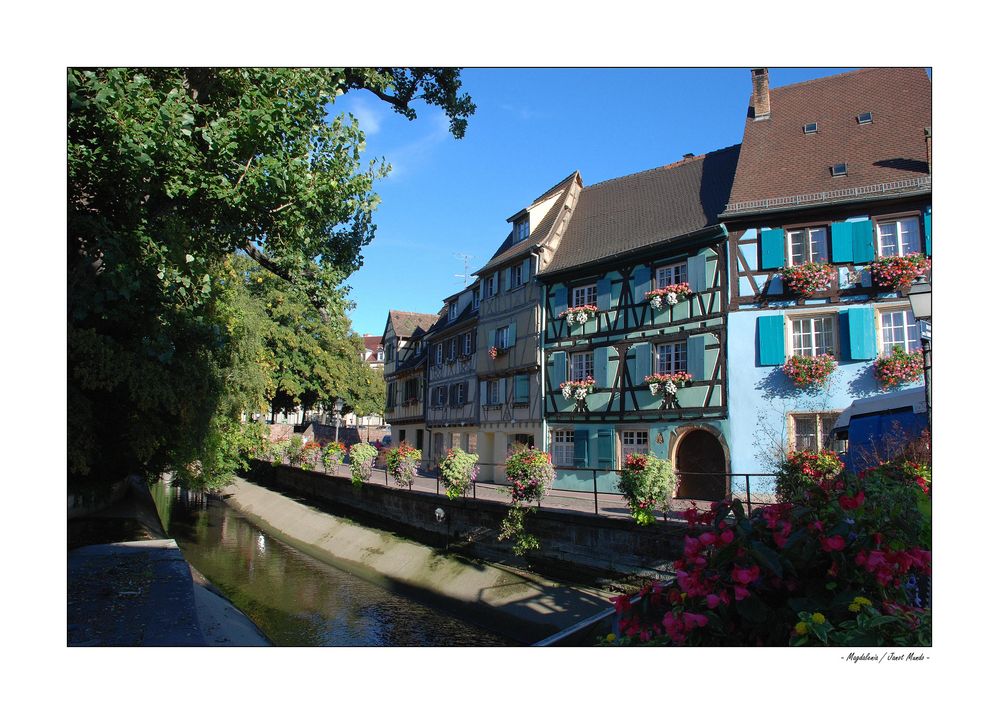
(898, 271)
(899, 367)
(580, 314)
(497, 352)
(577, 389)
(808, 371)
(807, 279)
(669, 295)
(667, 384)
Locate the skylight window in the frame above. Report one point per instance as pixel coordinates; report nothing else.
(865, 118)
(839, 170)
(812, 128)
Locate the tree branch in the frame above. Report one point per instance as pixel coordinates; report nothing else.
(245, 169)
(265, 261)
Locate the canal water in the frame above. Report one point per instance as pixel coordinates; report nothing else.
(293, 598)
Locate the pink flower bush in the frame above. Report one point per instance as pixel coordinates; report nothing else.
(808, 371)
(899, 367)
(807, 279)
(579, 314)
(669, 295)
(898, 271)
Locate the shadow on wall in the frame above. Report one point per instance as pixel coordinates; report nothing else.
(863, 384)
(776, 385)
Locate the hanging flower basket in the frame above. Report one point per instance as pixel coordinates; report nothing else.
(667, 384)
(807, 371)
(899, 367)
(580, 314)
(898, 271)
(577, 389)
(808, 279)
(669, 295)
(496, 352)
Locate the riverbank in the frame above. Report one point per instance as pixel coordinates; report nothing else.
(521, 605)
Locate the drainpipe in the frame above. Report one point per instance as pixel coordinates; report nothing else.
(541, 353)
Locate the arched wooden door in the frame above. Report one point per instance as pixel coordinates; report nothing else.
(700, 463)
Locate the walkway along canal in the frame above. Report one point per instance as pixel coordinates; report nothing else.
(307, 577)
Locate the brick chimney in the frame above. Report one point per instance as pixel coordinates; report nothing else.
(929, 149)
(761, 93)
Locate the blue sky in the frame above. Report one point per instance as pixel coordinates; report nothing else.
(532, 128)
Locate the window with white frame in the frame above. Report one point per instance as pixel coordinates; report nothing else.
(671, 357)
(503, 337)
(585, 295)
(813, 336)
(808, 245)
(672, 274)
(813, 431)
(899, 236)
(580, 365)
(899, 329)
(381, 356)
(466, 343)
(492, 392)
(439, 353)
(490, 284)
(452, 348)
(452, 311)
(521, 229)
(563, 447)
(516, 276)
(475, 300)
(634, 442)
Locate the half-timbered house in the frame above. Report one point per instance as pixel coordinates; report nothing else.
(834, 172)
(629, 240)
(509, 351)
(452, 387)
(405, 367)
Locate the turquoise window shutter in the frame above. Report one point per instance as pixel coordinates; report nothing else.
(863, 339)
(842, 242)
(559, 301)
(605, 449)
(504, 394)
(642, 278)
(770, 339)
(695, 356)
(603, 294)
(482, 393)
(525, 271)
(601, 366)
(512, 334)
(615, 295)
(642, 365)
(522, 388)
(863, 241)
(557, 371)
(697, 273)
(580, 441)
(927, 221)
(771, 248)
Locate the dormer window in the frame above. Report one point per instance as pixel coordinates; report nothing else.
(865, 118)
(839, 170)
(812, 128)
(452, 311)
(521, 229)
(475, 300)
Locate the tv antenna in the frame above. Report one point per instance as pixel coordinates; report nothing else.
(467, 261)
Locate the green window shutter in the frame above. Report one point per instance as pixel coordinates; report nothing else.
(605, 449)
(842, 242)
(697, 273)
(522, 388)
(580, 440)
(695, 356)
(503, 394)
(601, 366)
(863, 241)
(615, 294)
(559, 301)
(557, 370)
(641, 366)
(863, 338)
(525, 271)
(770, 339)
(603, 294)
(512, 334)
(927, 221)
(482, 392)
(642, 277)
(771, 248)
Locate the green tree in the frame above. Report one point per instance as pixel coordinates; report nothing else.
(170, 172)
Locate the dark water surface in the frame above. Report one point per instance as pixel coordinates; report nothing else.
(293, 598)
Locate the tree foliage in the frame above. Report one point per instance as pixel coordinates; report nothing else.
(171, 172)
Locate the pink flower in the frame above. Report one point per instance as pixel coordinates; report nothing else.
(836, 542)
(745, 576)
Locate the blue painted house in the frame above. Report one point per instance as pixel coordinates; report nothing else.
(834, 171)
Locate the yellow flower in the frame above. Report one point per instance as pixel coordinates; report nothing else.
(611, 637)
(853, 608)
(818, 618)
(860, 600)
(801, 628)
(260, 280)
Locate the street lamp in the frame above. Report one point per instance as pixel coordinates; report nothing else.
(921, 300)
(337, 411)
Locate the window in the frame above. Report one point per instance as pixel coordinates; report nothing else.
(899, 329)
(461, 393)
(580, 365)
(671, 357)
(516, 276)
(390, 399)
(410, 389)
(452, 311)
(813, 336)
(585, 295)
(490, 284)
(899, 237)
(865, 118)
(381, 356)
(390, 350)
(438, 398)
(838, 170)
(492, 392)
(813, 431)
(475, 300)
(563, 448)
(439, 354)
(808, 245)
(521, 229)
(466, 343)
(452, 348)
(634, 442)
(671, 274)
(503, 337)
(811, 128)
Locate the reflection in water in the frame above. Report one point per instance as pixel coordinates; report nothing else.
(293, 598)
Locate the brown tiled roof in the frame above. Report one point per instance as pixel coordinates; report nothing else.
(509, 250)
(404, 324)
(643, 209)
(779, 160)
(372, 342)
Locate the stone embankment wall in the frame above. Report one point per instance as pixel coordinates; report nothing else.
(573, 541)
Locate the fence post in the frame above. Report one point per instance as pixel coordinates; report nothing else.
(596, 505)
(473, 491)
(749, 500)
